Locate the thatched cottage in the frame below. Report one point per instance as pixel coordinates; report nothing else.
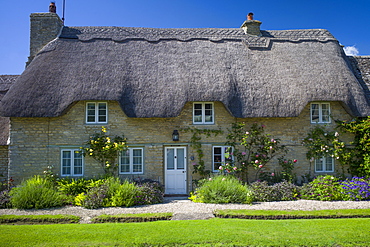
(149, 83)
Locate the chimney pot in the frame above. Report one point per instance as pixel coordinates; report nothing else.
(251, 27)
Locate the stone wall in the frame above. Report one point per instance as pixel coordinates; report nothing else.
(44, 28)
(36, 142)
(3, 164)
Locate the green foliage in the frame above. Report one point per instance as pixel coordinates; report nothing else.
(283, 191)
(72, 186)
(149, 193)
(95, 197)
(105, 150)
(358, 157)
(323, 188)
(196, 144)
(124, 195)
(222, 189)
(252, 148)
(36, 192)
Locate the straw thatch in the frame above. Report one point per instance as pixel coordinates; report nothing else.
(5, 82)
(154, 72)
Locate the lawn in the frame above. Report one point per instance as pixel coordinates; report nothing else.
(214, 232)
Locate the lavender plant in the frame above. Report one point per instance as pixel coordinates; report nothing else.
(356, 189)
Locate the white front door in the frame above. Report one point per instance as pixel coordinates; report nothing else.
(175, 170)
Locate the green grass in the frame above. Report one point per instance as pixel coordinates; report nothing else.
(214, 232)
(273, 214)
(126, 218)
(38, 219)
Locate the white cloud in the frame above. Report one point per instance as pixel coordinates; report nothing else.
(351, 51)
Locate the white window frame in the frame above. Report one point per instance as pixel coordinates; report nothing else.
(321, 115)
(73, 162)
(203, 112)
(96, 113)
(131, 164)
(324, 162)
(223, 159)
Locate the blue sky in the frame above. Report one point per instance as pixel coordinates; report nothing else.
(347, 20)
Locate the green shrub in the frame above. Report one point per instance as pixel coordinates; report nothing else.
(125, 195)
(283, 191)
(95, 197)
(73, 187)
(36, 192)
(149, 193)
(222, 189)
(5, 199)
(323, 188)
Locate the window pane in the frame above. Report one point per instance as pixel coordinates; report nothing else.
(77, 163)
(137, 160)
(217, 157)
(180, 158)
(325, 113)
(329, 164)
(208, 113)
(170, 159)
(102, 115)
(315, 114)
(66, 162)
(319, 165)
(197, 106)
(137, 168)
(90, 112)
(125, 168)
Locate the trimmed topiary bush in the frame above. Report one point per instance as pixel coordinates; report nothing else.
(36, 192)
(222, 189)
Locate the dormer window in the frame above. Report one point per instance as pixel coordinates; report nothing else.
(203, 113)
(96, 113)
(320, 113)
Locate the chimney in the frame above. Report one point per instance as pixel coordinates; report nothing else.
(44, 28)
(251, 27)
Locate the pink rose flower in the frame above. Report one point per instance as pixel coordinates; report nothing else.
(256, 161)
(260, 166)
(272, 174)
(295, 161)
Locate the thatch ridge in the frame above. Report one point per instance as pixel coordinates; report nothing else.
(154, 72)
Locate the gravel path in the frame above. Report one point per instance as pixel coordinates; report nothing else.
(184, 209)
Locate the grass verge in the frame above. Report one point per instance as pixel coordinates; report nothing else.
(127, 218)
(214, 232)
(292, 214)
(38, 219)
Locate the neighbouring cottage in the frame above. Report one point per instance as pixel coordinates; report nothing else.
(148, 83)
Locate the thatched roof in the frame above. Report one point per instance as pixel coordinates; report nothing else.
(5, 82)
(154, 72)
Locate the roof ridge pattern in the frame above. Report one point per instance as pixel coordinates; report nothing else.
(121, 34)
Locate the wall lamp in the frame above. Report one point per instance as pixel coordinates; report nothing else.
(175, 136)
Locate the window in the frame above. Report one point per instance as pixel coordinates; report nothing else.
(131, 161)
(96, 112)
(320, 113)
(221, 156)
(203, 113)
(72, 162)
(324, 164)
